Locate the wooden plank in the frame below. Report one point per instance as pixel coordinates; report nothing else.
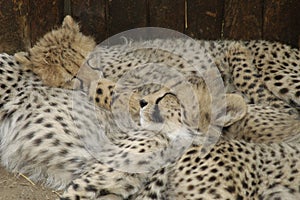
(204, 18)
(91, 14)
(282, 21)
(243, 19)
(125, 15)
(44, 16)
(14, 29)
(167, 14)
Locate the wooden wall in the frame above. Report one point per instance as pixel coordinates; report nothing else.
(24, 21)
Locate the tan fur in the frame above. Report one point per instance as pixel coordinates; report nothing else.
(249, 122)
(171, 110)
(57, 57)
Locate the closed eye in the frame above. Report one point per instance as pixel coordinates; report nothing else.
(160, 98)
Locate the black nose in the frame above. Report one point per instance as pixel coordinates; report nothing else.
(143, 103)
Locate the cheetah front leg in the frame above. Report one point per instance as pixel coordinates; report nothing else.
(99, 181)
(157, 186)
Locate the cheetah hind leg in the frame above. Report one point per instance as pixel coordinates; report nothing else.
(250, 80)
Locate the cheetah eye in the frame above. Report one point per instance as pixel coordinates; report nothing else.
(160, 98)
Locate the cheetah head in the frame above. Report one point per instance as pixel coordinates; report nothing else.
(165, 108)
(57, 57)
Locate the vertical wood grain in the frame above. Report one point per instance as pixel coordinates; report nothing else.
(125, 15)
(92, 17)
(14, 27)
(243, 19)
(204, 18)
(44, 16)
(167, 14)
(282, 21)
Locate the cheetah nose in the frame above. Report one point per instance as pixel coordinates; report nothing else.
(143, 103)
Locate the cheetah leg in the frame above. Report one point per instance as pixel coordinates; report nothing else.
(157, 186)
(102, 182)
(248, 80)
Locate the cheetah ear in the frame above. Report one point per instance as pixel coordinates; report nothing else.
(236, 109)
(69, 23)
(23, 59)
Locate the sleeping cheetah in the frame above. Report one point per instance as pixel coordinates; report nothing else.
(58, 56)
(229, 169)
(45, 133)
(49, 134)
(260, 124)
(94, 178)
(265, 73)
(115, 62)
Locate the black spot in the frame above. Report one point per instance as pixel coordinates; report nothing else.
(202, 190)
(186, 159)
(295, 171)
(252, 85)
(214, 170)
(284, 90)
(278, 77)
(3, 86)
(105, 100)
(9, 78)
(221, 163)
(58, 118)
(190, 187)
(212, 179)
(10, 63)
(239, 197)
(91, 188)
(110, 169)
(75, 186)
(26, 125)
(48, 125)
(99, 91)
(40, 120)
(56, 142)
(49, 135)
(233, 159)
(19, 118)
(37, 142)
(230, 189)
(30, 135)
(245, 185)
(159, 183)
(28, 106)
(47, 110)
(142, 150)
(267, 78)
(278, 84)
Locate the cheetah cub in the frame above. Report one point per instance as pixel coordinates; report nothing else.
(58, 56)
